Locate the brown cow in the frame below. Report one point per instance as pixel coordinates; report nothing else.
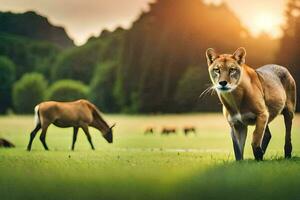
(168, 130)
(149, 130)
(189, 129)
(76, 114)
(5, 143)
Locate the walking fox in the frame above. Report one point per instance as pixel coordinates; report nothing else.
(252, 97)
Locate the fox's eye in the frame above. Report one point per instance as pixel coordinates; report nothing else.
(232, 70)
(216, 70)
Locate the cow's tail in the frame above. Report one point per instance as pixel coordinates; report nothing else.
(37, 120)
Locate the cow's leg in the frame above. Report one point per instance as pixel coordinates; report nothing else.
(75, 132)
(32, 136)
(88, 136)
(43, 136)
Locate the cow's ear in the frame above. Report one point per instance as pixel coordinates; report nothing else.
(239, 55)
(211, 56)
(113, 125)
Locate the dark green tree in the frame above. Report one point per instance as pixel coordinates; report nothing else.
(193, 93)
(102, 87)
(152, 56)
(33, 26)
(67, 90)
(161, 45)
(289, 52)
(80, 63)
(7, 78)
(28, 92)
(31, 41)
(27, 54)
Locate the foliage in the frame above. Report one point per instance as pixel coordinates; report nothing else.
(28, 92)
(102, 87)
(158, 49)
(67, 90)
(7, 77)
(289, 52)
(40, 28)
(151, 57)
(194, 83)
(79, 63)
(28, 55)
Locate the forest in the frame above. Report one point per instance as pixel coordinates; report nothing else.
(157, 65)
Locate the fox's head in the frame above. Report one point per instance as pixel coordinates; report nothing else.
(225, 70)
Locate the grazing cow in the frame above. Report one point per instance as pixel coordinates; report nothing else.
(76, 114)
(189, 129)
(149, 131)
(6, 144)
(168, 130)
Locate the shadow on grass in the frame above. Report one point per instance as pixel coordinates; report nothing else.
(275, 178)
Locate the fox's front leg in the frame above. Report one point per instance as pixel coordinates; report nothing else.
(261, 124)
(238, 135)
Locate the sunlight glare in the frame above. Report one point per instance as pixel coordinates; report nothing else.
(266, 22)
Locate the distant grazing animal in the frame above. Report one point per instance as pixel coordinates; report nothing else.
(189, 129)
(5, 143)
(168, 130)
(76, 114)
(149, 130)
(252, 97)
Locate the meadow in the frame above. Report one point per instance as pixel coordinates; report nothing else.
(138, 166)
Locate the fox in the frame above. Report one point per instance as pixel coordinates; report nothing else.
(252, 97)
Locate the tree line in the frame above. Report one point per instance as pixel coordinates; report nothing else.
(157, 65)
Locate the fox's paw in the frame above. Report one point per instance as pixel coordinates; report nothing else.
(258, 153)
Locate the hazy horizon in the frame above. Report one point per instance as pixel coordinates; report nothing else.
(83, 19)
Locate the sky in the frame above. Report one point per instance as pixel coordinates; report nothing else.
(84, 18)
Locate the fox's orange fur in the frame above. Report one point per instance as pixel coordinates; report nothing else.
(252, 97)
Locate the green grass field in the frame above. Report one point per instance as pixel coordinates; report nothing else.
(136, 166)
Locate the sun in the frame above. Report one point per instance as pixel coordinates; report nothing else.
(266, 23)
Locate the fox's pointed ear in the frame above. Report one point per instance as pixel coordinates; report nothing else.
(239, 55)
(211, 56)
